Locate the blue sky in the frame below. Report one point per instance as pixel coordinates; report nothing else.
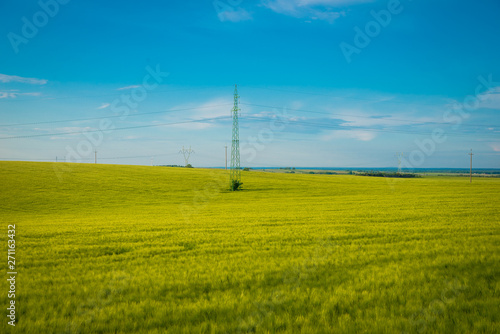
(326, 83)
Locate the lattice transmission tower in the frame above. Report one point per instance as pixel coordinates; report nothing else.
(400, 157)
(235, 173)
(471, 154)
(186, 153)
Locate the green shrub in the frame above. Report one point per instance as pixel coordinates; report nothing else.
(235, 185)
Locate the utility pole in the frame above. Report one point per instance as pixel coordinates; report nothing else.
(471, 154)
(95, 156)
(235, 174)
(226, 156)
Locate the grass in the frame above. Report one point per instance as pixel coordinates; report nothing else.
(122, 249)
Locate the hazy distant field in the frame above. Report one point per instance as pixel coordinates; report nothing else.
(121, 249)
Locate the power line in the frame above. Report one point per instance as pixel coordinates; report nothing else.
(367, 117)
(118, 129)
(261, 119)
(105, 117)
(139, 156)
(109, 158)
(102, 95)
(249, 104)
(344, 128)
(19, 159)
(204, 156)
(341, 97)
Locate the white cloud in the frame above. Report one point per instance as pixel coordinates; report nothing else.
(131, 137)
(215, 108)
(333, 3)
(296, 105)
(325, 10)
(490, 99)
(67, 129)
(194, 126)
(65, 132)
(350, 134)
(357, 117)
(360, 120)
(60, 137)
(495, 147)
(14, 78)
(104, 106)
(12, 94)
(128, 87)
(234, 15)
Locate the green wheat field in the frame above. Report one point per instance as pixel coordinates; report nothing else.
(129, 249)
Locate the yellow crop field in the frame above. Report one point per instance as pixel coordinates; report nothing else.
(134, 249)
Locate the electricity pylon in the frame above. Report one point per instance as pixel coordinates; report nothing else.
(471, 154)
(400, 160)
(186, 153)
(235, 174)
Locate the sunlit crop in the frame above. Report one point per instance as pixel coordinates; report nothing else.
(127, 249)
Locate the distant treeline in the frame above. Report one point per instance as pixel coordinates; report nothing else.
(389, 174)
(444, 171)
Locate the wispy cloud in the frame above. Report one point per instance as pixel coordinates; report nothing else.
(12, 94)
(325, 10)
(234, 15)
(132, 137)
(65, 132)
(490, 99)
(128, 87)
(495, 147)
(104, 106)
(194, 126)
(358, 118)
(14, 78)
(215, 108)
(361, 135)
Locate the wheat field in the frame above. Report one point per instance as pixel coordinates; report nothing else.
(133, 249)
